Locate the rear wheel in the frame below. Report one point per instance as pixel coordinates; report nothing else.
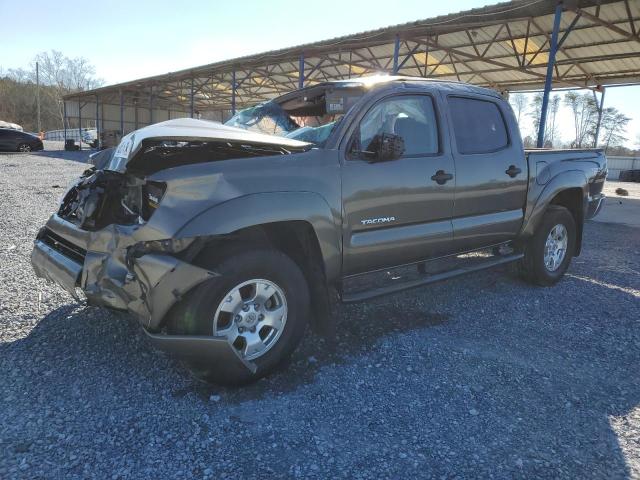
(24, 147)
(548, 253)
(260, 304)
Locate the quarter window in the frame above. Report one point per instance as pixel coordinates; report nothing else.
(410, 117)
(478, 125)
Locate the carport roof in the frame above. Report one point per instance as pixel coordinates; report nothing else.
(503, 46)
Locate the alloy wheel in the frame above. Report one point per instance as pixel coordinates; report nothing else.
(555, 247)
(252, 316)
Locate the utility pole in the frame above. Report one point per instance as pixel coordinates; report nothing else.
(38, 95)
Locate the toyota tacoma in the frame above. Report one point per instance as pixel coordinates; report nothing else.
(226, 240)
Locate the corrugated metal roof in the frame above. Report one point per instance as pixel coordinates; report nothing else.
(503, 46)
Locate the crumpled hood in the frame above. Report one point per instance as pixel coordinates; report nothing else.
(183, 129)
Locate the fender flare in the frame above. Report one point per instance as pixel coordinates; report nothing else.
(545, 193)
(270, 207)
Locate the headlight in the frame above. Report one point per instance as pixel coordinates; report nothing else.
(152, 194)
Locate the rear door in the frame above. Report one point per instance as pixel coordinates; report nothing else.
(491, 172)
(394, 212)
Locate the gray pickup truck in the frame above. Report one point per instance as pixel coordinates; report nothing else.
(225, 241)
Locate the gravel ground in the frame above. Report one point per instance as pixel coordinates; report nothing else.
(482, 376)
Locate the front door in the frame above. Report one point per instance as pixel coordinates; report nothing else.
(397, 211)
(491, 172)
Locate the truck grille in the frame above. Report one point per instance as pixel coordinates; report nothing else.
(63, 246)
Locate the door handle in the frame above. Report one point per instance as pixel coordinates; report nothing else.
(512, 171)
(441, 177)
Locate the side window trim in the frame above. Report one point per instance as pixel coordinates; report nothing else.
(436, 114)
(453, 127)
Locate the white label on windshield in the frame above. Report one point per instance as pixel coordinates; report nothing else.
(124, 148)
(335, 107)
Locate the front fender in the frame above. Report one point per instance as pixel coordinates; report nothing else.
(261, 208)
(540, 196)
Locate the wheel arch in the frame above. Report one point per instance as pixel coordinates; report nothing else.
(298, 210)
(569, 190)
(572, 200)
(301, 225)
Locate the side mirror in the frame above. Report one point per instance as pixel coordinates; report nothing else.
(387, 146)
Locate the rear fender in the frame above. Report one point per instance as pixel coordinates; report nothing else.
(540, 197)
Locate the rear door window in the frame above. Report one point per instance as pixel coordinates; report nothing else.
(478, 125)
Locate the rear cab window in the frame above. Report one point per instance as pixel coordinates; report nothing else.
(478, 125)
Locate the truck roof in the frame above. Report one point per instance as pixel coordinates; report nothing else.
(379, 80)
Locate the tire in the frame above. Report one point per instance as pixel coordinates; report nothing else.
(547, 271)
(24, 147)
(200, 312)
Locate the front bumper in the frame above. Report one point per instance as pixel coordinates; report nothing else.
(201, 349)
(147, 285)
(54, 266)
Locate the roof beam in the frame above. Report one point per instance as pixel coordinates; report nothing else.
(609, 25)
(506, 66)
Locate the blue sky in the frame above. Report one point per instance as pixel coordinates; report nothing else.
(128, 40)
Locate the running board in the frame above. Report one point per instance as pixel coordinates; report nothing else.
(437, 277)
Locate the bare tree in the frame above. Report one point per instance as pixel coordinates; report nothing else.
(553, 129)
(535, 112)
(520, 103)
(614, 126)
(59, 76)
(585, 117)
(550, 129)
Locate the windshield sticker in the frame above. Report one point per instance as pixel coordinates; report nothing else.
(124, 148)
(335, 106)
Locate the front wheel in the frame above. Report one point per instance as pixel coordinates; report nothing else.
(24, 147)
(549, 251)
(259, 303)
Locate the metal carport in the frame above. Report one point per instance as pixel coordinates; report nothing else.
(518, 45)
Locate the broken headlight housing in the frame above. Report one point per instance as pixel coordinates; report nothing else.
(152, 193)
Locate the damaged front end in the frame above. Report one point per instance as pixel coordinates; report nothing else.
(95, 243)
(80, 249)
(110, 240)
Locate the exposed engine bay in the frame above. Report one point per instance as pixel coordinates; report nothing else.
(102, 197)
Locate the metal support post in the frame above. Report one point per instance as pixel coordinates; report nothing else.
(38, 96)
(549, 78)
(600, 109)
(151, 106)
(121, 113)
(301, 71)
(64, 119)
(97, 121)
(396, 53)
(233, 92)
(80, 123)
(192, 93)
